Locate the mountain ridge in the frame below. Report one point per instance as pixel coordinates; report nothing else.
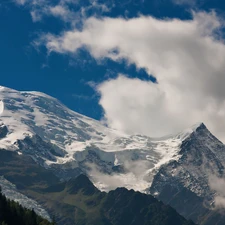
(117, 207)
(54, 136)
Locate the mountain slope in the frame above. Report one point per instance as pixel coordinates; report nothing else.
(79, 201)
(136, 208)
(187, 180)
(118, 207)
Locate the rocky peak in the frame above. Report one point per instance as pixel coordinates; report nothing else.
(81, 183)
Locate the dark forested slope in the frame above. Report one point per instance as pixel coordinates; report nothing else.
(118, 207)
(12, 213)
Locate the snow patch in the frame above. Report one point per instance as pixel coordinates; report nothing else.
(1, 107)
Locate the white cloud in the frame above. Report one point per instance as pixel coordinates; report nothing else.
(62, 12)
(135, 106)
(59, 11)
(186, 57)
(218, 185)
(71, 11)
(133, 178)
(38, 8)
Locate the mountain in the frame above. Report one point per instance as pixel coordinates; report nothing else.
(84, 204)
(43, 142)
(184, 183)
(78, 201)
(38, 125)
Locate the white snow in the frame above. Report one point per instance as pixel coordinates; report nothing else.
(1, 107)
(169, 150)
(186, 133)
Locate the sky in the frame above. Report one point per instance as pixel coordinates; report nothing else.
(149, 67)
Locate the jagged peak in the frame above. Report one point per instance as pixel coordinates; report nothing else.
(83, 179)
(182, 135)
(81, 183)
(197, 126)
(193, 129)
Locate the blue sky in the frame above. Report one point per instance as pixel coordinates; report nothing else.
(72, 77)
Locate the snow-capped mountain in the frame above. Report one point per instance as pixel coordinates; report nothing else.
(202, 155)
(185, 183)
(36, 124)
(68, 143)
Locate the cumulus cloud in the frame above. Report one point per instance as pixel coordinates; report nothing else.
(186, 57)
(134, 106)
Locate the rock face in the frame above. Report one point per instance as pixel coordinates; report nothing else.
(88, 205)
(175, 169)
(129, 207)
(184, 184)
(3, 131)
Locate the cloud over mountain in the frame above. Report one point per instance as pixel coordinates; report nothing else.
(185, 56)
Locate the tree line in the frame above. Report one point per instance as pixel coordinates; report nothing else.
(12, 213)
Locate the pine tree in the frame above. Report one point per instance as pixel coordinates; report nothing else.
(12, 213)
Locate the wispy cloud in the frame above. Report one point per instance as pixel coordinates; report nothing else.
(70, 11)
(132, 178)
(218, 185)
